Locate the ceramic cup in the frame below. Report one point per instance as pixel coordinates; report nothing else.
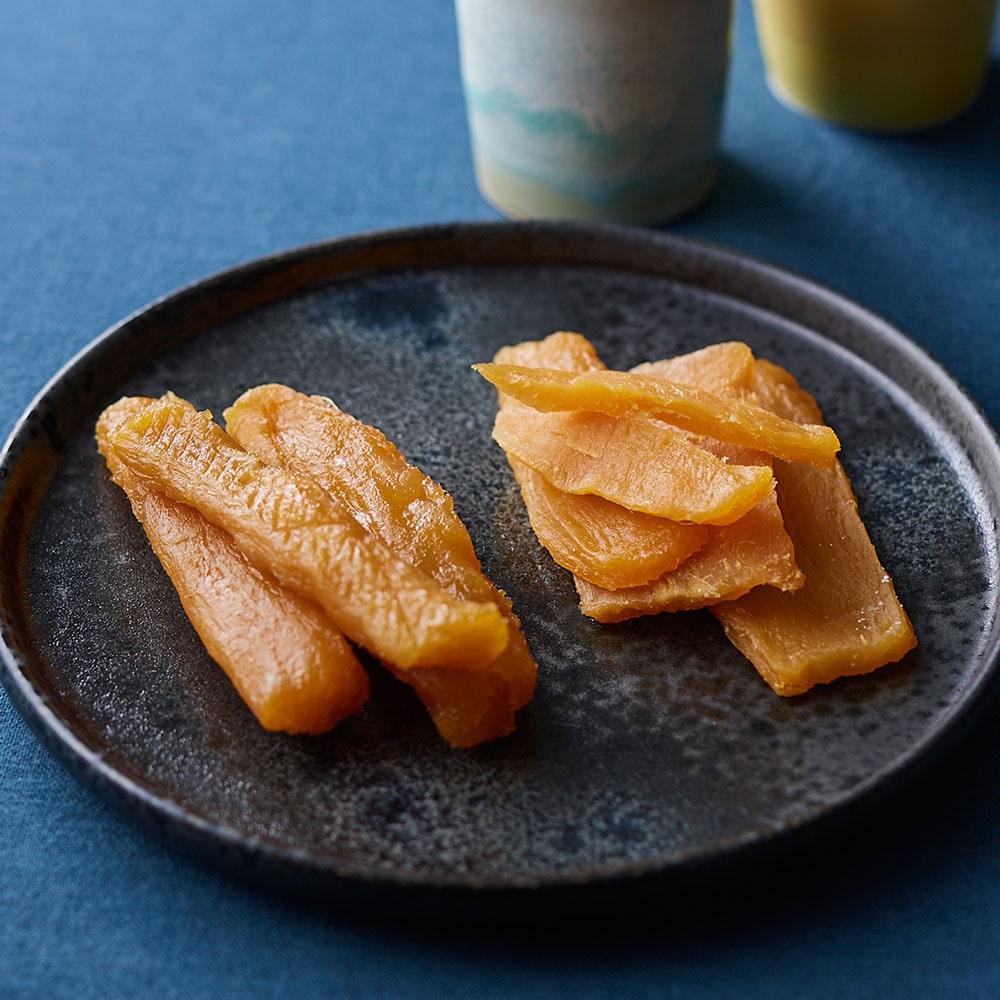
(876, 64)
(599, 110)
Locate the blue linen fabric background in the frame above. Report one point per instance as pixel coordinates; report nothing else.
(144, 145)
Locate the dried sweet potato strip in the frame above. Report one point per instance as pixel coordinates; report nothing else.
(415, 517)
(601, 541)
(753, 552)
(295, 671)
(358, 465)
(616, 393)
(641, 464)
(846, 619)
(467, 707)
(290, 526)
(724, 369)
(564, 351)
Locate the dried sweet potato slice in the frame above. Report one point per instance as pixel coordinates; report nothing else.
(602, 542)
(290, 526)
(615, 393)
(363, 470)
(846, 619)
(467, 707)
(416, 518)
(641, 464)
(295, 671)
(564, 351)
(724, 369)
(753, 552)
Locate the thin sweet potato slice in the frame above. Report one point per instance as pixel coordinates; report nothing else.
(290, 526)
(564, 351)
(602, 542)
(724, 369)
(753, 552)
(641, 464)
(416, 518)
(846, 619)
(294, 670)
(623, 394)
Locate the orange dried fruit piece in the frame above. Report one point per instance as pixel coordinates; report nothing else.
(288, 525)
(416, 518)
(846, 619)
(365, 472)
(641, 464)
(724, 369)
(467, 707)
(754, 551)
(564, 351)
(294, 670)
(626, 394)
(600, 541)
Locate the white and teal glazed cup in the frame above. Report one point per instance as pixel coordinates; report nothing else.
(597, 110)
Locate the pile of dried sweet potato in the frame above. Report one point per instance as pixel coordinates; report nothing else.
(705, 480)
(299, 532)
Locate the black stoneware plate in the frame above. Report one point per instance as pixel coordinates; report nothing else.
(651, 746)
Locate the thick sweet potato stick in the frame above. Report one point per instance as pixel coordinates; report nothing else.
(290, 526)
(295, 671)
(416, 518)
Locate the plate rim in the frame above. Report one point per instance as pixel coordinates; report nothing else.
(236, 849)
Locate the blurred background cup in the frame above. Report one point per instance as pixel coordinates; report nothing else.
(894, 65)
(598, 110)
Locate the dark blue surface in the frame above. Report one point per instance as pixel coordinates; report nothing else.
(144, 145)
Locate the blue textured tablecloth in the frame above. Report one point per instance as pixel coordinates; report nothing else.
(143, 145)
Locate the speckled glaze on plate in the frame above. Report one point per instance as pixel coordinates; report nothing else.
(652, 747)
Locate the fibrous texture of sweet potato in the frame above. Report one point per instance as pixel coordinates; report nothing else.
(416, 518)
(644, 465)
(563, 351)
(725, 369)
(624, 394)
(792, 576)
(290, 526)
(600, 541)
(752, 552)
(294, 670)
(357, 465)
(846, 619)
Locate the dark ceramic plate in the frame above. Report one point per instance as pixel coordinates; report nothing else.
(652, 746)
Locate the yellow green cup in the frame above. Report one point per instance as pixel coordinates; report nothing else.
(894, 65)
